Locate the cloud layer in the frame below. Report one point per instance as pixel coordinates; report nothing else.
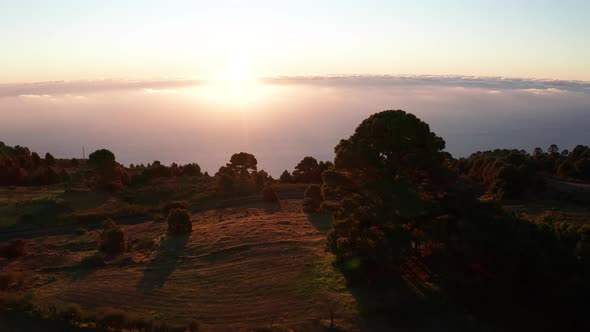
(493, 84)
(291, 117)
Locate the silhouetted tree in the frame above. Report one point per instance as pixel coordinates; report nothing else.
(269, 195)
(243, 163)
(191, 169)
(179, 222)
(112, 239)
(286, 177)
(49, 159)
(312, 198)
(35, 160)
(102, 159)
(379, 171)
(305, 170)
(552, 149)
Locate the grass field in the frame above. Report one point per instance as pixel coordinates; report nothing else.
(240, 268)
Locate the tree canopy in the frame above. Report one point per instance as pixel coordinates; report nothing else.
(243, 163)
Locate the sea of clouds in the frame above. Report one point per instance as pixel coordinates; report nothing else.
(282, 119)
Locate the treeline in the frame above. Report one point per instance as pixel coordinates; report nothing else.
(21, 167)
(507, 174)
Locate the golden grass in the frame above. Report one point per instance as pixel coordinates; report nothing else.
(239, 268)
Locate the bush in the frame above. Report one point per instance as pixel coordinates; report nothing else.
(70, 313)
(269, 195)
(112, 239)
(11, 280)
(312, 198)
(113, 318)
(173, 205)
(13, 249)
(179, 222)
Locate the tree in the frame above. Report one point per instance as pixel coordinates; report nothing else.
(35, 160)
(583, 168)
(102, 159)
(538, 152)
(305, 170)
(286, 177)
(112, 239)
(269, 195)
(191, 169)
(552, 149)
(243, 163)
(380, 173)
(49, 159)
(261, 179)
(179, 222)
(312, 198)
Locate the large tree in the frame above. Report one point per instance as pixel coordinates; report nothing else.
(382, 175)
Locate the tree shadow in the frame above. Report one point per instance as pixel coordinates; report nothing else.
(321, 221)
(398, 302)
(164, 263)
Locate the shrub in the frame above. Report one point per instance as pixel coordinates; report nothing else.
(113, 318)
(179, 222)
(172, 205)
(269, 195)
(70, 313)
(112, 239)
(13, 249)
(11, 280)
(312, 198)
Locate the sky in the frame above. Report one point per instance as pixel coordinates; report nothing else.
(90, 40)
(196, 81)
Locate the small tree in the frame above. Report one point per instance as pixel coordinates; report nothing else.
(305, 170)
(312, 198)
(179, 222)
(269, 195)
(49, 159)
(35, 160)
(552, 149)
(112, 239)
(102, 159)
(286, 177)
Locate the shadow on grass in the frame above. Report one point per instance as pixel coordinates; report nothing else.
(398, 302)
(321, 221)
(17, 321)
(164, 263)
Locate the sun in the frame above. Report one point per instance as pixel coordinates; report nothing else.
(236, 69)
(235, 87)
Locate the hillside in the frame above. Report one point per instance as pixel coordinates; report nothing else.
(241, 267)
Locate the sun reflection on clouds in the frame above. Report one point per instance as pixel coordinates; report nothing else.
(233, 93)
